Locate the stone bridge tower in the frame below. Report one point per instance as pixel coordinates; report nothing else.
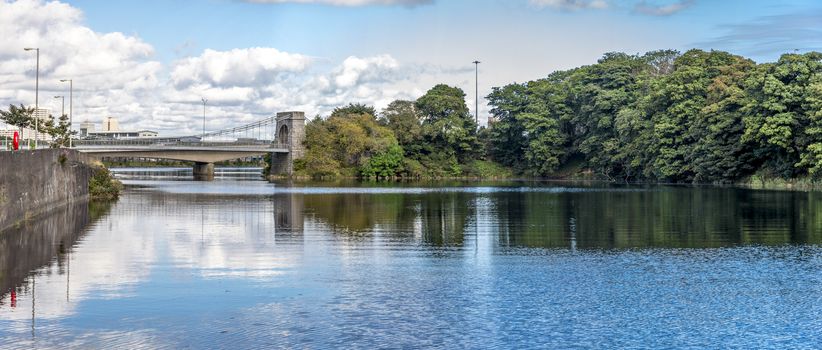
(290, 134)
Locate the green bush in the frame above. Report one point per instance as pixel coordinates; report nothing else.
(103, 185)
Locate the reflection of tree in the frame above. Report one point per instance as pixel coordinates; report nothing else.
(359, 212)
(659, 217)
(442, 215)
(36, 243)
(600, 218)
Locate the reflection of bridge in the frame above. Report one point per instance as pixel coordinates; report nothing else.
(281, 136)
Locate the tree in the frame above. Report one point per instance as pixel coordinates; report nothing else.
(21, 117)
(779, 112)
(402, 118)
(354, 109)
(447, 127)
(61, 132)
(346, 143)
(505, 133)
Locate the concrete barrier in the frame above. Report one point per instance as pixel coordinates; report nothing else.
(36, 182)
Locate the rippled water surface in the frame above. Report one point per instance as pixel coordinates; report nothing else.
(241, 263)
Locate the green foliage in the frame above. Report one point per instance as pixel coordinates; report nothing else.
(348, 143)
(485, 169)
(447, 127)
(695, 117)
(354, 109)
(698, 116)
(385, 164)
(103, 185)
(61, 132)
(433, 136)
(21, 117)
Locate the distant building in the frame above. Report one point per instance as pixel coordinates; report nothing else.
(86, 127)
(111, 124)
(119, 135)
(111, 130)
(42, 114)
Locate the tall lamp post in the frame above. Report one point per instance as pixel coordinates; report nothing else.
(204, 106)
(63, 108)
(36, 94)
(476, 91)
(71, 105)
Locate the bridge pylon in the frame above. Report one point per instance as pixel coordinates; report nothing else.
(291, 135)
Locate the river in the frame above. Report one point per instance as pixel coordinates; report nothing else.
(242, 263)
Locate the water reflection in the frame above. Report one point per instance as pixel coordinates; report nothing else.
(248, 264)
(672, 217)
(46, 239)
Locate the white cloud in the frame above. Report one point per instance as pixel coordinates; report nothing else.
(355, 70)
(237, 67)
(117, 75)
(107, 68)
(647, 8)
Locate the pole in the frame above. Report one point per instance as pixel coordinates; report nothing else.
(71, 109)
(476, 92)
(71, 106)
(204, 107)
(63, 108)
(37, 101)
(36, 94)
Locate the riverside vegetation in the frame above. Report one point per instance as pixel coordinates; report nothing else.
(664, 116)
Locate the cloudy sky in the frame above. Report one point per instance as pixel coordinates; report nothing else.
(149, 62)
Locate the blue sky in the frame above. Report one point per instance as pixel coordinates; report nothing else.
(182, 27)
(255, 57)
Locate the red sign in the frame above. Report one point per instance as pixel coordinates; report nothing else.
(16, 141)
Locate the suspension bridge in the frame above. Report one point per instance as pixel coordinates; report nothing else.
(282, 136)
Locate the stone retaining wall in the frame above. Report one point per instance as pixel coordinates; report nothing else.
(36, 182)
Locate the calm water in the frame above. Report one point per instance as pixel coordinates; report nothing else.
(239, 263)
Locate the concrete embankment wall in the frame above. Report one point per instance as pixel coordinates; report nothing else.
(35, 182)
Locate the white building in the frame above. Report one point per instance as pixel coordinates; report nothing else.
(111, 130)
(86, 127)
(111, 124)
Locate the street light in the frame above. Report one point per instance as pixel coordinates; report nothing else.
(36, 95)
(476, 91)
(63, 110)
(204, 106)
(71, 105)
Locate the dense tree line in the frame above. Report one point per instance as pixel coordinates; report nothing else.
(434, 136)
(664, 116)
(696, 116)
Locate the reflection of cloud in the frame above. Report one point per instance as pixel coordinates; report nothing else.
(771, 35)
(107, 263)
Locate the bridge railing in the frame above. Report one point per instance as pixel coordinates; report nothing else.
(178, 143)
